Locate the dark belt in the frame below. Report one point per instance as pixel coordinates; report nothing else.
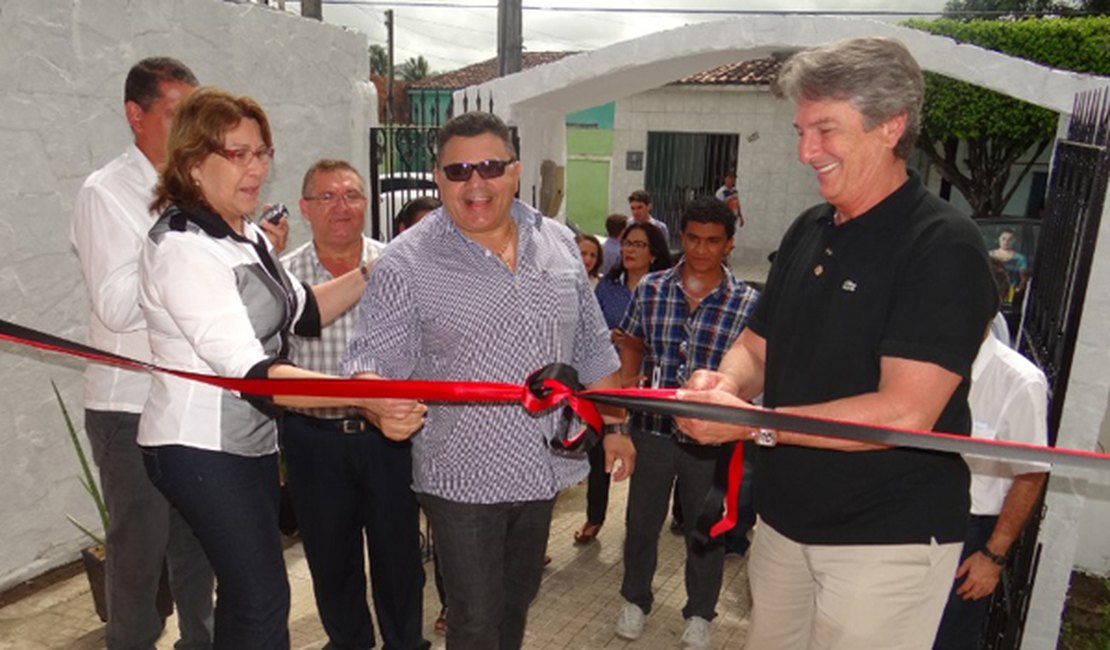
(354, 424)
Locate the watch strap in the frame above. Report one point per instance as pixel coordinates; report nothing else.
(1000, 560)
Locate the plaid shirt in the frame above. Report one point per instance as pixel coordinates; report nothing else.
(324, 354)
(440, 306)
(676, 342)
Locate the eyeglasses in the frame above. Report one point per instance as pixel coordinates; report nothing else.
(331, 198)
(244, 155)
(633, 243)
(487, 169)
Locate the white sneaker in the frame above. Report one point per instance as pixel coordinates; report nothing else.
(630, 624)
(696, 634)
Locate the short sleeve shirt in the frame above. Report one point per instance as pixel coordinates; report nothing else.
(678, 341)
(907, 279)
(1009, 401)
(325, 352)
(441, 307)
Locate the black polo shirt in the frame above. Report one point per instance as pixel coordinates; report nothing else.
(907, 279)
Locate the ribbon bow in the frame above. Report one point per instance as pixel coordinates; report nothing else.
(555, 384)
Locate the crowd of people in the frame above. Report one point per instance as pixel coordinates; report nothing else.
(877, 309)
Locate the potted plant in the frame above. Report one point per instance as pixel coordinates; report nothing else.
(92, 557)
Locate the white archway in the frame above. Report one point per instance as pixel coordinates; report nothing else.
(536, 100)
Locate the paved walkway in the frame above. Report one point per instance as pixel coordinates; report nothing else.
(576, 608)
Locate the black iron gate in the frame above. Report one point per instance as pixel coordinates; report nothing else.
(1076, 193)
(681, 166)
(403, 156)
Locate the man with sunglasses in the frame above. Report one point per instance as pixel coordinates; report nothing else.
(349, 484)
(682, 319)
(486, 289)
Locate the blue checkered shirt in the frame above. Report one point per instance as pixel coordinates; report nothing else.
(676, 342)
(324, 354)
(439, 306)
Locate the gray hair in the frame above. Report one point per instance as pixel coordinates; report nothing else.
(877, 76)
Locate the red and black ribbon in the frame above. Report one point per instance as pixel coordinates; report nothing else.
(555, 385)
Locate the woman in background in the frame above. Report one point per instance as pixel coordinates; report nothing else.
(643, 250)
(592, 258)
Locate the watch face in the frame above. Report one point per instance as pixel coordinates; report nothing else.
(766, 438)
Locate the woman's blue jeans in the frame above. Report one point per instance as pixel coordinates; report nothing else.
(231, 502)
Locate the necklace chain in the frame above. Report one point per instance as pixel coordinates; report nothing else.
(504, 255)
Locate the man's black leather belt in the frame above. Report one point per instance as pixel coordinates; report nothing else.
(353, 424)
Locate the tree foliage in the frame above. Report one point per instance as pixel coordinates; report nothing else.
(414, 69)
(379, 60)
(987, 8)
(998, 129)
(967, 9)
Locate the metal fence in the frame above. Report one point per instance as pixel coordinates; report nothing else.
(403, 157)
(680, 166)
(1061, 270)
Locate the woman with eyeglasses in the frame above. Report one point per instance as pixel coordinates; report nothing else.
(217, 302)
(643, 250)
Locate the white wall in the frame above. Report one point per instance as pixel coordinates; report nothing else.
(1078, 502)
(774, 187)
(62, 66)
(1092, 553)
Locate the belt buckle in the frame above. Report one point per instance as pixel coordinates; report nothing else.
(352, 425)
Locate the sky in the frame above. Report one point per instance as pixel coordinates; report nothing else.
(457, 33)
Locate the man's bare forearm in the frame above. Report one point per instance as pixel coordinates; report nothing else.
(1019, 503)
(744, 365)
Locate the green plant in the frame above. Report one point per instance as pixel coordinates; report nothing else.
(87, 480)
(997, 131)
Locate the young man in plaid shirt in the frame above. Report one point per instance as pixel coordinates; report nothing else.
(680, 320)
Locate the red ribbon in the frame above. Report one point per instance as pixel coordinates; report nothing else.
(555, 393)
(732, 496)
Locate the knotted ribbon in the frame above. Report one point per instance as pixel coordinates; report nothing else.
(558, 384)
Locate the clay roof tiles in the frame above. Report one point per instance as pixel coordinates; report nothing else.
(757, 72)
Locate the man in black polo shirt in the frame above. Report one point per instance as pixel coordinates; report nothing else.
(873, 312)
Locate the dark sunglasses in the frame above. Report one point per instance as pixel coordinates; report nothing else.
(487, 169)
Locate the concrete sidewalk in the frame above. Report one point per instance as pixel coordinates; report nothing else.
(576, 608)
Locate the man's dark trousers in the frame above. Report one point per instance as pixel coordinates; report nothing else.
(659, 459)
(144, 531)
(961, 627)
(491, 555)
(347, 481)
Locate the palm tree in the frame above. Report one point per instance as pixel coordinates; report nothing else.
(379, 60)
(414, 69)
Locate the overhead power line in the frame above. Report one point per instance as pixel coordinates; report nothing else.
(650, 10)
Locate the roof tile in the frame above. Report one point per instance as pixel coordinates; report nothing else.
(757, 72)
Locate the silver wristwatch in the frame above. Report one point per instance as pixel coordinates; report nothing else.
(765, 437)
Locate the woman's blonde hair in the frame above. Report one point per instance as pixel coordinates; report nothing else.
(199, 126)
